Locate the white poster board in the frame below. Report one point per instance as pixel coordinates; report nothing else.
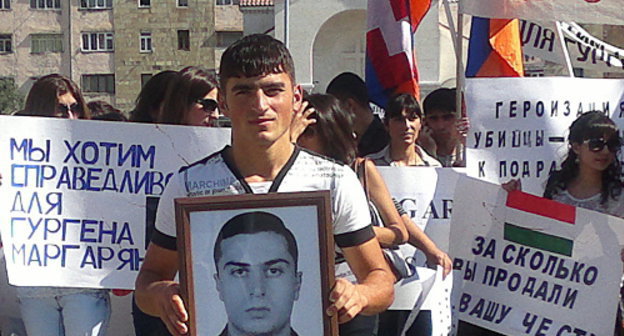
(518, 126)
(77, 196)
(582, 11)
(585, 51)
(525, 265)
(426, 194)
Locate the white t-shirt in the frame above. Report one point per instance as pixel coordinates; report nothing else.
(611, 206)
(304, 171)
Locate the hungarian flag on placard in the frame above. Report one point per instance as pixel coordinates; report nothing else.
(495, 49)
(390, 60)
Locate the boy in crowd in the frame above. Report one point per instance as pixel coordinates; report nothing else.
(444, 125)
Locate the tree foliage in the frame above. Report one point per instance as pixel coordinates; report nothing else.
(11, 99)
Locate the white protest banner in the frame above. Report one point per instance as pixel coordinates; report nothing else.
(582, 11)
(518, 126)
(77, 197)
(541, 40)
(525, 265)
(427, 195)
(586, 51)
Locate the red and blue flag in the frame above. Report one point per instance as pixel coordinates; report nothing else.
(390, 59)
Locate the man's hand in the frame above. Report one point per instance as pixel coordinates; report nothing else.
(438, 257)
(462, 126)
(300, 121)
(171, 307)
(512, 185)
(346, 301)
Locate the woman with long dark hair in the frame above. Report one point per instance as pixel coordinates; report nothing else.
(150, 99)
(57, 311)
(328, 130)
(55, 95)
(403, 120)
(191, 98)
(591, 175)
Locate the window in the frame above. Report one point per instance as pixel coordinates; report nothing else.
(184, 40)
(145, 3)
(40, 43)
(182, 3)
(5, 4)
(45, 4)
(97, 41)
(228, 2)
(96, 4)
(98, 83)
(145, 78)
(5, 43)
(225, 38)
(146, 42)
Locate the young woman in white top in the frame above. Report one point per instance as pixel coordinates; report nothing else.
(591, 175)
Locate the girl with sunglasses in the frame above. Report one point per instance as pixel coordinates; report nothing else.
(191, 98)
(55, 95)
(591, 175)
(56, 311)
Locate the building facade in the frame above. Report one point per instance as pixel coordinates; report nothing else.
(111, 47)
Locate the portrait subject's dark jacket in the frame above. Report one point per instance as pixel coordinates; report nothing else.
(225, 332)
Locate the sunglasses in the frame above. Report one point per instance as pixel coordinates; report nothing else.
(208, 105)
(66, 111)
(597, 144)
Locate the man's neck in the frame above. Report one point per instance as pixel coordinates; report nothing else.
(285, 331)
(404, 154)
(259, 163)
(447, 147)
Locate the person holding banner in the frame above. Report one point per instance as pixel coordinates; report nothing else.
(329, 134)
(447, 130)
(189, 99)
(260, 95)
(56, 311)
(591, 174)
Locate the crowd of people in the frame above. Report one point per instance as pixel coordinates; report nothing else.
(278, 130)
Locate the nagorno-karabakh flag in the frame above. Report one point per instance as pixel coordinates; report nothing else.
(495, 49)
(390, 60)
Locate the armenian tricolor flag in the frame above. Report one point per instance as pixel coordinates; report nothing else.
(495, 49)
(390, 60)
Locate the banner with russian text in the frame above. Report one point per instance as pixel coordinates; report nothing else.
(426, 194)
(78, 198)
(585, 50)
(581, 11)
(525, 265)
(518, 126)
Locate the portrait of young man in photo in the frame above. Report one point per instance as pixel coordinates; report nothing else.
(257, 277)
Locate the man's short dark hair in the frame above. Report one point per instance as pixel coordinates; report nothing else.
(256, 55)
(442, 99)
(255, 222)
(349, 85)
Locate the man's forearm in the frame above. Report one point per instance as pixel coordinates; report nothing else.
(378, 288)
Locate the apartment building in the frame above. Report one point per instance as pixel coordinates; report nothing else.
(111, 47)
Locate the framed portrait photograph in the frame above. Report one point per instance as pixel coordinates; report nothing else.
(257, 264)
